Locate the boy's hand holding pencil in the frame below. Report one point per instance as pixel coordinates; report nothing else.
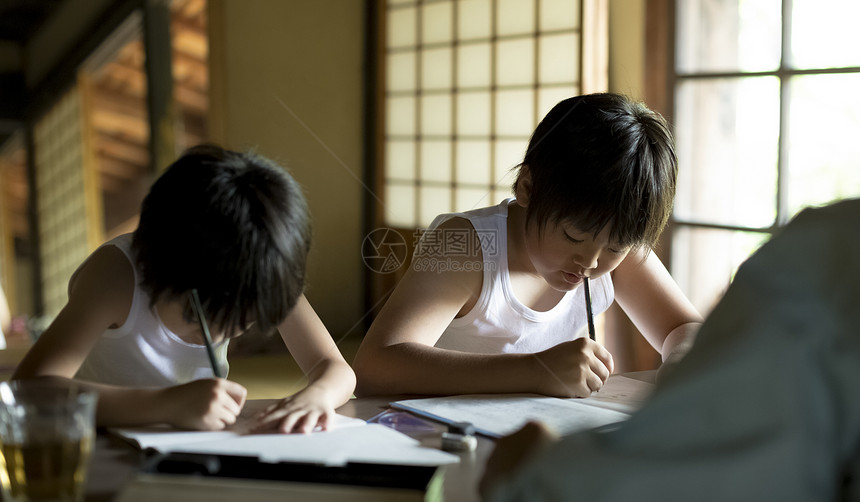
(573, 369)
(210, 404)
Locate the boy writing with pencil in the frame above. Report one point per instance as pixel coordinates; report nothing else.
(764, 407)
(593, 194)
(221, 245)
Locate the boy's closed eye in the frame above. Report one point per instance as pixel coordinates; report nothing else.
(572, 238)
(575, 239)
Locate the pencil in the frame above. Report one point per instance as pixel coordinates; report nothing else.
(588, 309)
(207, 338)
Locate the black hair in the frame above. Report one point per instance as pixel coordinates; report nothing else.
(235, 226)
(602, 159)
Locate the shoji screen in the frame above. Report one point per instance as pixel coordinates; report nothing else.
(68, 197)
(465, 83)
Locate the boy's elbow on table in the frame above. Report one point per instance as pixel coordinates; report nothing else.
(373, 375)
(367, 383)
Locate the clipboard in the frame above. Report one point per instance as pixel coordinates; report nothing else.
(193, 477)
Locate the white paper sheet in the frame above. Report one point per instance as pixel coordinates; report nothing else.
(372, 443)
(350, 440)
(621, 393)
(165, 438)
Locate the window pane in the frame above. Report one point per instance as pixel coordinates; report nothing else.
(559, 59)
(551, 96)
(824, 33)
(400, 160)
(400, 116)
(433, 202)
(474, 19)
(704, 261)
(473, 65)
(824, 149)
(472, 198)
(466, 82)
(501, 193)
(509, 154)
(727, 35)
(515, 62)
(400, 205)
(436, 67)
(400, 72)
(436, 161)
(559, 14)
(436, 22)
(401, 27)
(515, 17)
(473, 162)
(436, 114)
(727, 132)
(473, 113)
(515, 113)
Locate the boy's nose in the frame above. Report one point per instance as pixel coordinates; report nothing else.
(586, 259)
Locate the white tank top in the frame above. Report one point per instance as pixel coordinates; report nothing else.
(499, 323)
(143, 352)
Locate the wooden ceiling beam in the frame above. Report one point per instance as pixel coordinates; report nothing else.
(190, 38)
(120, 169)
(119, 125)
(192, 101)
(190, 10)
(14, 192)
(117, 102)
(131, 152)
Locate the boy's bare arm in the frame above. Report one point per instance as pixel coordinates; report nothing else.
(100, 298)
(398, 354)
(316, 353)
(331, 380)
(656, 305)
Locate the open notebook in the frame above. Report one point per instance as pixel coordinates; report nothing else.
(496, 415)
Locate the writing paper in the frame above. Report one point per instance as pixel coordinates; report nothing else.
(497, 415)
(349, 440)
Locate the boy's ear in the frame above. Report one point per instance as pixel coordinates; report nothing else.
(524, 187)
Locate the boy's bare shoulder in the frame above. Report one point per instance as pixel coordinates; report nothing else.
(454, 239)
(106, 263)
(106, 279)
(449, 261)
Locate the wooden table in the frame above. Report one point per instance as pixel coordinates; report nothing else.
(114, 462)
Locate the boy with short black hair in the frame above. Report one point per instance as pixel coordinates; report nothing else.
(233, 227)
(593, 194)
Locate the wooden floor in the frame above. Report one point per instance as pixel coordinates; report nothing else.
(276, 375)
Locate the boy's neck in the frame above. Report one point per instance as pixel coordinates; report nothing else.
(529, 287)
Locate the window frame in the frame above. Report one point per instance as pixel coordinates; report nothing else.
(785, 74)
